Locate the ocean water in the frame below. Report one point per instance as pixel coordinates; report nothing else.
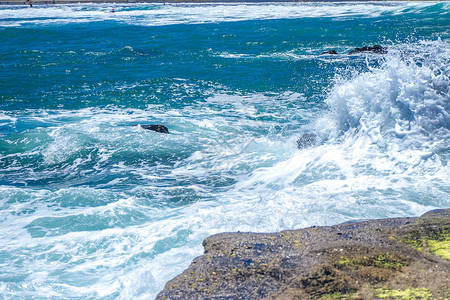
(92, 207)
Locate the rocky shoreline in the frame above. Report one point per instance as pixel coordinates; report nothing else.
(402, 258)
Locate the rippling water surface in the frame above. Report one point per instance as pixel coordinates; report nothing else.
(92, 207)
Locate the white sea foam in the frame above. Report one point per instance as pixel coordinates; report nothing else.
(159, 15)
(408, 98)
(5, 119)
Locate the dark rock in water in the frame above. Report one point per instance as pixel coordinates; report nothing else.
(306, 140)
(405, 258)
(374, 49)
(329, 52)
(156, 127)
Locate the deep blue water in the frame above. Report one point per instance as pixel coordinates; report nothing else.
(93, 207)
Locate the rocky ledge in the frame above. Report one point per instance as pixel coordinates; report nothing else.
(404, 258)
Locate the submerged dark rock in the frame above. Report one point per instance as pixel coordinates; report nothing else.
(364, 260)
(373, 49)
(329, 52)
(155, 127)
(306, 140)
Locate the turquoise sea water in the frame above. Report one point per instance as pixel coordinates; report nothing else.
(92, 207)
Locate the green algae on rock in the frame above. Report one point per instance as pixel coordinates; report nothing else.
(441, 248)
(431, 235)
(404, 258)
(383, 260)
(409, 293)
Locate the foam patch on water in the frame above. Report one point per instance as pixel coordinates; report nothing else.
(160, 15)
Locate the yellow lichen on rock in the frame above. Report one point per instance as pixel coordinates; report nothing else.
(409, 293)
(344, 261)
(441, 248)
(383, 260)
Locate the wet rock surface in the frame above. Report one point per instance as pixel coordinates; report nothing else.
(377, 49)
(388, 258)
(329, 52)
(372, 49)
(155, 127)
(306, 140)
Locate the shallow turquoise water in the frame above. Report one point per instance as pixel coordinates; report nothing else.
(92, 207)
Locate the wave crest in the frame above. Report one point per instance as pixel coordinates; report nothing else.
(408, 97)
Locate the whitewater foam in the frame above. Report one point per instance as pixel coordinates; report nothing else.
(384, 129)
(408, 97)
(183, 13)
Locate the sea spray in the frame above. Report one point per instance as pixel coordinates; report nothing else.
(383, 126)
